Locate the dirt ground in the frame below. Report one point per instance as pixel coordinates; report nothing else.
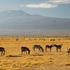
(13, 60)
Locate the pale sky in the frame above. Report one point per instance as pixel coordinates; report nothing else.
(51, 8)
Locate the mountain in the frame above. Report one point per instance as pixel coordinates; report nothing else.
(12, 13)
(17, 22)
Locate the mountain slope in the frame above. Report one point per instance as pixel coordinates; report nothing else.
(20, 22)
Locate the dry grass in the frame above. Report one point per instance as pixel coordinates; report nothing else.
(13, 60)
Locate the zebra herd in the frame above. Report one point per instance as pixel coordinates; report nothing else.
(38, 47)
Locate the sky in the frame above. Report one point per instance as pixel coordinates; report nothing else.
(51, 8)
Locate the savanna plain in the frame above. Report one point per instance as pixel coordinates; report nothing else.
(36, 60)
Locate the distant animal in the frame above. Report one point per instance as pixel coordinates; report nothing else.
(39, 47)
(48, 47)
(25, 49)
(58, 47)
(17, 39)
(2, 51)
(68, 51)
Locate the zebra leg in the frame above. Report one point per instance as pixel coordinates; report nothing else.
(28, 52)
(68, 54)
(50, 49)
(34, 49)
(57, 49)
(4, 52)
(1, 53)
(40, 49)
(60, 49)
(46, 49)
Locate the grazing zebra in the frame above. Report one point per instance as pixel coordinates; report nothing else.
(2, 51)
(25, 49)
(68, 51)
(58, 47)
(39, 47)
(48, 47)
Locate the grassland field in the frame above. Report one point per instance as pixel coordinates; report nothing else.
(13, 60)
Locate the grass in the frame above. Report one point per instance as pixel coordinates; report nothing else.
(13, 60)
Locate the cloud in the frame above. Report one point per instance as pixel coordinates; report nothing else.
(48, 4)
(59, 1)
(41, 5)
